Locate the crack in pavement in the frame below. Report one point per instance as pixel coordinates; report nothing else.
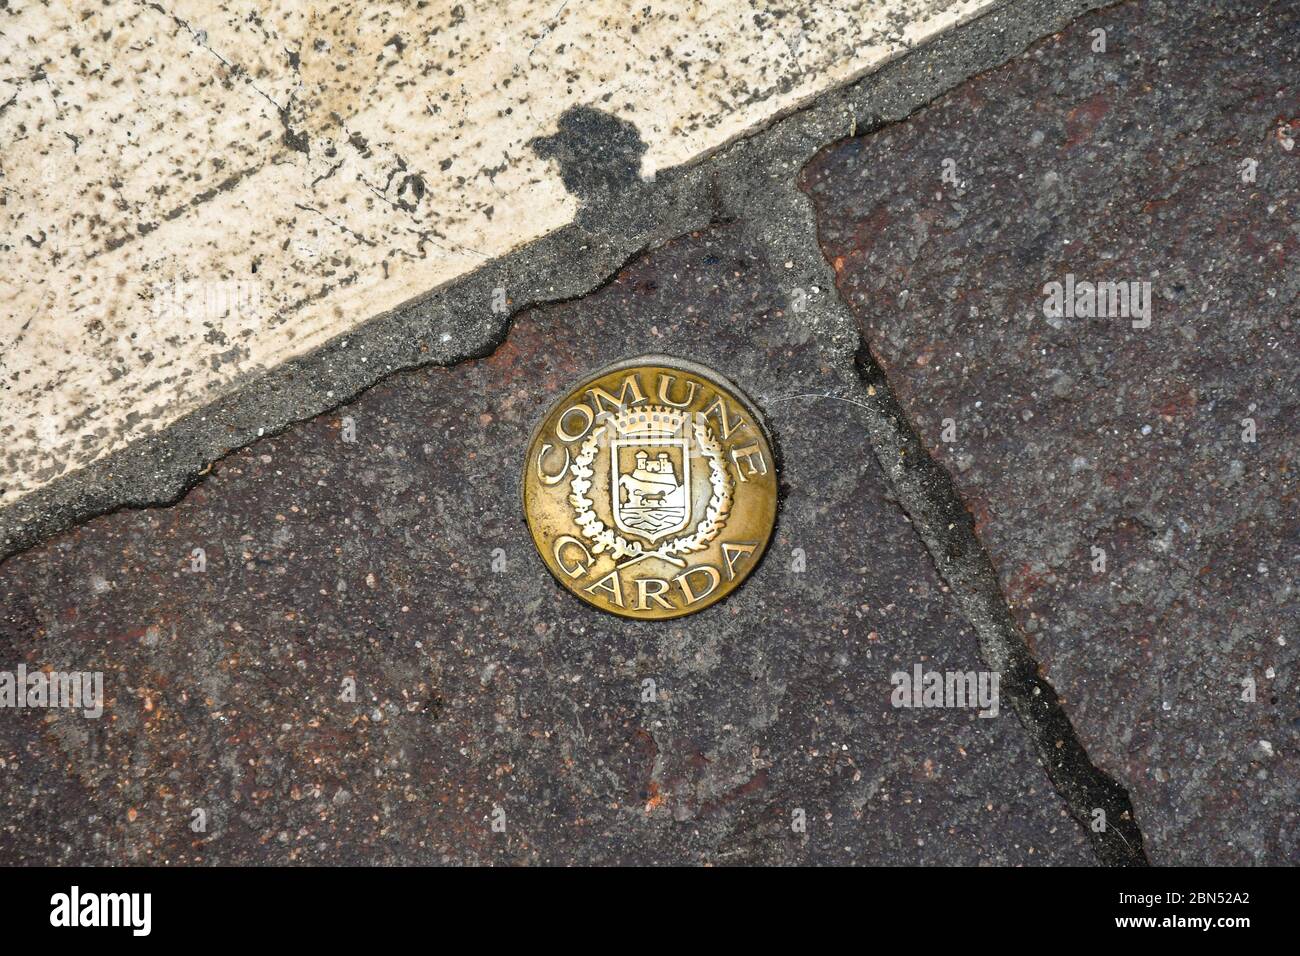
(931, 503)
(926, 493)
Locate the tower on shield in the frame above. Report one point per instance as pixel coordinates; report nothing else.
(650, 472)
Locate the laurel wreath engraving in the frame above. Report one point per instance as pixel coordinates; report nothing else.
(606, 539)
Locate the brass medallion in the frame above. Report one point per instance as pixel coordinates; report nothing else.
(650, 489)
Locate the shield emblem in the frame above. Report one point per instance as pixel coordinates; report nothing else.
(650, 484)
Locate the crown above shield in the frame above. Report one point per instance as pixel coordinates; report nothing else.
(650, 421)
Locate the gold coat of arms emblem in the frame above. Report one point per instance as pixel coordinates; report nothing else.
(650, 488)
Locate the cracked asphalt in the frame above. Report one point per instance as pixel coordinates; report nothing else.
(398, 564)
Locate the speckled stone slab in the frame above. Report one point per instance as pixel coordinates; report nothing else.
(192, 192)
(385, 544)
(1134, 477)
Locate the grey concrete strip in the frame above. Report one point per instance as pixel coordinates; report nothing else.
(1131, 470)
(600, 159)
